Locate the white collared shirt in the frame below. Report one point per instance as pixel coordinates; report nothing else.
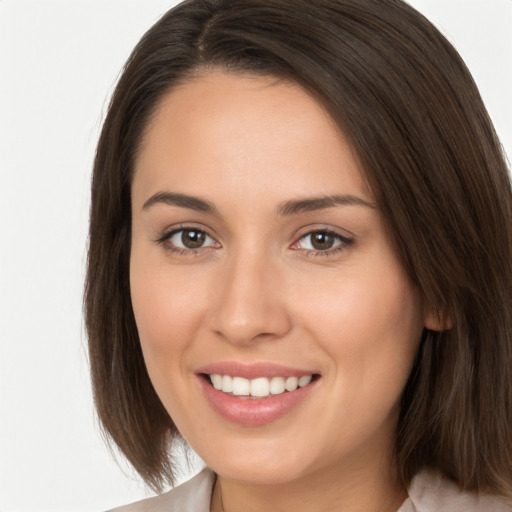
(429, 492)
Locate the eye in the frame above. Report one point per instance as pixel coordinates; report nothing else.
(322, 241)
(189, 238)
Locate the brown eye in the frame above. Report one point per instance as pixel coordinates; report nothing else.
(190, 238)
(322, 241)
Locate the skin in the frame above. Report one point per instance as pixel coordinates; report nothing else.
(258, 291)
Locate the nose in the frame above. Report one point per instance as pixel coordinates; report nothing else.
(251, 301)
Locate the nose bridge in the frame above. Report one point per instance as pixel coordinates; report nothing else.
(251, 300)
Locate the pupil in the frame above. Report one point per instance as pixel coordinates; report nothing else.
(192, 239)
(322, 241)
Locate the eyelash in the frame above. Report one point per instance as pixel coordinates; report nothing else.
(164, 241)
(344, 242)
(165, 238)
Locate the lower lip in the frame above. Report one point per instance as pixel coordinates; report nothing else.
(252, 412)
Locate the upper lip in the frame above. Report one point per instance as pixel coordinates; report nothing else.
(253, 370)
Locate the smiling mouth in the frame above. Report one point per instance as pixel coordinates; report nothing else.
(261, 387)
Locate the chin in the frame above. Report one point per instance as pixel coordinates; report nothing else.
(255, 473)
(259, 461)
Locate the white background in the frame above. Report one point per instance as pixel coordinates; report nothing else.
(59, 60)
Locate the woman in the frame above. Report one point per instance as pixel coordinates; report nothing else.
(306, 219)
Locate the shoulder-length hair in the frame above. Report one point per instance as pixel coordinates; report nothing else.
(404, 98)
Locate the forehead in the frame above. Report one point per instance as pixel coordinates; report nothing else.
(247, 134)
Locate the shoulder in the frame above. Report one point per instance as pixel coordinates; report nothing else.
(191, 496)
(431, 492)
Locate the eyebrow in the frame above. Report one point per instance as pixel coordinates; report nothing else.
(320, 203)
(292, 207)
(183, 200)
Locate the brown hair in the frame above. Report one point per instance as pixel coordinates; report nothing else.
(406, 101)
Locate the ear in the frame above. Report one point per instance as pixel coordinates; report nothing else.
(438, 321)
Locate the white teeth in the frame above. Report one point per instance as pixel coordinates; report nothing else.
(241, 386)
(305, 380)
(216, 380)
(227, 384)
(260, 387)
(291, 383)
(277, 385)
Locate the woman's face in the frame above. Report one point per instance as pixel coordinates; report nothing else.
(259, 256)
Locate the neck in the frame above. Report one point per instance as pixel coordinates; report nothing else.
(357, 490)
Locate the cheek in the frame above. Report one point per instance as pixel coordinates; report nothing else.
(371, 332)
(167, 305)
(370, 324)
(361, 309)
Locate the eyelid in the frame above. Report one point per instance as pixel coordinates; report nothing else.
(164, 237)
(175, 233)
(345, 240)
